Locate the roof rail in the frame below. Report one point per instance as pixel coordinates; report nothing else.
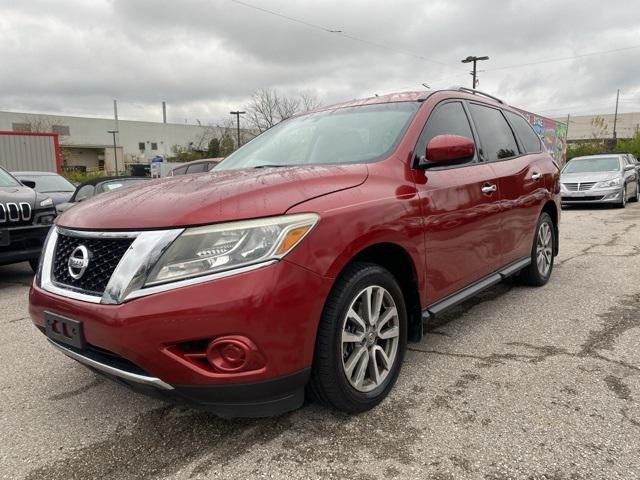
(478, 92)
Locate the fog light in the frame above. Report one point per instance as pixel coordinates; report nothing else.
(234, 353)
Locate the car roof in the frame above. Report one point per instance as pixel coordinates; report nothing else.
(43, 174)
(419, 96)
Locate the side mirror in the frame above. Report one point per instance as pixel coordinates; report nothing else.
(29, 183)
(448, 149)
(628, 168)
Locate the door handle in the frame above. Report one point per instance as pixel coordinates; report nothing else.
(489, 188)
(536, 176)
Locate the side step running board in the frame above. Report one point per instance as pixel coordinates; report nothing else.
(460, 296)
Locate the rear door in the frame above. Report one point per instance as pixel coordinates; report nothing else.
(521, 168)
(461, 222)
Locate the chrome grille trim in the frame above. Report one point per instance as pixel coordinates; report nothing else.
(15, 210)
(136, 262)
(25, 210)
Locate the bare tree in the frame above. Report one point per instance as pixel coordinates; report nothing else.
(268, 107)
(309, 101)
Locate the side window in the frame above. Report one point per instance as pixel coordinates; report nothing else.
(196, 168)
(180, 171)
(84, 193)
(210, 166)
(496, 137)
(529, 138)
(447, 119)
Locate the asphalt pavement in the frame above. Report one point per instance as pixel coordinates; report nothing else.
(518, 383)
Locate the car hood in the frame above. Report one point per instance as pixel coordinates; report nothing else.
(588, 176)
(18, 195)
(217, 196)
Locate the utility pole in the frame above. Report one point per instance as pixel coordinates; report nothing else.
(567, 131)
(164, 112)
(473, 59)
(615, 121)
(115, 148)
(237, 113)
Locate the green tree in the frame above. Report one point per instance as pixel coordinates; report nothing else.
(227, 145)
(213, 150)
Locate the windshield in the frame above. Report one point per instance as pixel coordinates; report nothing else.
(600, 164)
(346, 135)
(6, 180)
(50, 183)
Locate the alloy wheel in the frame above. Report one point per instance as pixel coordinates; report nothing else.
(544, 249)
(370, 337)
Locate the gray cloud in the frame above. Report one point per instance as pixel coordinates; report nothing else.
(206, 56)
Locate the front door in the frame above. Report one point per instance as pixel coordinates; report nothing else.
(460, 208)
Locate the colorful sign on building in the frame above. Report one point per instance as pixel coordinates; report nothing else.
(552, 133)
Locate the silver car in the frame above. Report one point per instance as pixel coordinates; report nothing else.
(609, 178)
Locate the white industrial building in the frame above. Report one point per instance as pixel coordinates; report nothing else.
(582, 127)
(86, 143)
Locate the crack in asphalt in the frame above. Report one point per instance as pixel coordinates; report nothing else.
(612, 242)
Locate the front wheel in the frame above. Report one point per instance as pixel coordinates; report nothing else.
(361, 340)
(539, 270)
(623, 201)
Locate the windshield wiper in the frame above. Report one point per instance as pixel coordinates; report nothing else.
(271, 166)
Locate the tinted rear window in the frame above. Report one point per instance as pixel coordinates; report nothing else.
(496, 137)
(529, 138)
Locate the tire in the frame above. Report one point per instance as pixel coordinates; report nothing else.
(636, 197)
(34, 263)
(534, 275)
(623, 201)
(330, 382)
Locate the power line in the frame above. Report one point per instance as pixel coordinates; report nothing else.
(339, 33)
(562, 59)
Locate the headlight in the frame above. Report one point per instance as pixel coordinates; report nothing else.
(614, 182)
(205, 250)
(47, 202)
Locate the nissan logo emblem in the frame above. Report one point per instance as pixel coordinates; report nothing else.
(78, 262)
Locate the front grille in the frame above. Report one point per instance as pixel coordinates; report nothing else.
(582, 199)
(579, 187)
(104, 256)
(15, 214)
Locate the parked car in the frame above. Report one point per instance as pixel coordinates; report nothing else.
(607, 178)
(25, 219)
(96, 186)
(196, 166)
(54, 186)
(308, 258)
(634, 161)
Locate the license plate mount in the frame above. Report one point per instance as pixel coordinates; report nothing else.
(64, 330)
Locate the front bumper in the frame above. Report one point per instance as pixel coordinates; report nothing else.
(25, 243)
(608, 195)
(277, 307)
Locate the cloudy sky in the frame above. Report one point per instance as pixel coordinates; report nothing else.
(205, 57)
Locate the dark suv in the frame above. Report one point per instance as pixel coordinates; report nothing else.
(25, 219)
(307, 259)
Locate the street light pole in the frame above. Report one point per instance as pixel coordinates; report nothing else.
(237, 113)
(115, 148)
(473, 59)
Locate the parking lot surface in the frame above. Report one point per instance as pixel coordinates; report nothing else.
(517, 383)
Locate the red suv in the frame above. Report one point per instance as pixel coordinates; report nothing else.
(307, 259)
